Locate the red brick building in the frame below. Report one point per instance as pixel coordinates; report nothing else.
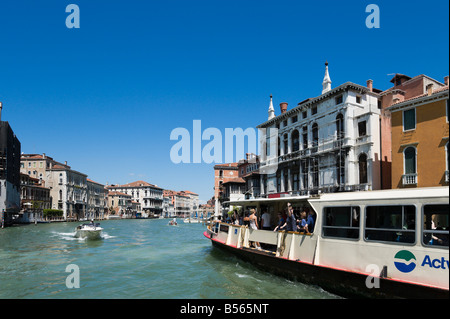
(223, 173)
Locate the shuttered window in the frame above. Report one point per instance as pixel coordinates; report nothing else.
(409, 120)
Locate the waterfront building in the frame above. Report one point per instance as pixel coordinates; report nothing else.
(181, 202)
(233, 190)
(136, 208)
(193, 202)
(404, 88)
(36, 165)
(9, 172)
(328, 143)
(222, 174)
(119, 205)
(168, 209)
(248, 169)
(148, 195)
(68, 191)
(68, 188)
(96, 200)
(420, 133)
(34, 198)
(206, 210)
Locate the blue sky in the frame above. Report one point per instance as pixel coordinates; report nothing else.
(106, 96)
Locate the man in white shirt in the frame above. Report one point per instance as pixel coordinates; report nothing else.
(266, 221)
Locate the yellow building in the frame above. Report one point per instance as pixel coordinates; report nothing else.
(420, 130)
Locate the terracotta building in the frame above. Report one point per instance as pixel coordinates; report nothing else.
(404, 88)
(222, 174)
(420, 132)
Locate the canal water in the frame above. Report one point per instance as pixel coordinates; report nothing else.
(135, 258)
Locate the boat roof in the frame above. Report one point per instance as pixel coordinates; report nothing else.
(255, 201)
(423, 192)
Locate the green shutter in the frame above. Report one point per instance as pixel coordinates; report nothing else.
(409, 119)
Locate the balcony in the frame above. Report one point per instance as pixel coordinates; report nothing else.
(409, 179)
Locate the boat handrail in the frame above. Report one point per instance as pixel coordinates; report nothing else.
(278, 231)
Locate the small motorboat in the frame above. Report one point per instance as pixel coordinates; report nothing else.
(89, 231)
(173, 222)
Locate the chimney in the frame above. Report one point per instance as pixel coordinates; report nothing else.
(65, 163)
(1, 106)
(43, 155)
(283, 107)
(370, 85)
(445, 81)
(430, 89)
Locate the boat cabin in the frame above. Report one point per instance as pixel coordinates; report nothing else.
(402, 233)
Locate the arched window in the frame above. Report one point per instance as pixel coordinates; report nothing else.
(410, 166)
(362, 160)
(410, 160)
(295, 141)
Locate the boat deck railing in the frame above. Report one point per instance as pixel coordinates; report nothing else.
(284, 244)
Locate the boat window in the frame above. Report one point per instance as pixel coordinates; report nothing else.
(342, 222)
(391, 223)
(435, 225)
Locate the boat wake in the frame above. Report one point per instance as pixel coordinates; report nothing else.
(65, 236)
(71, 236)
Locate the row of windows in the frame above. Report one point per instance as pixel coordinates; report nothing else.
(395, 224)
(294, 119)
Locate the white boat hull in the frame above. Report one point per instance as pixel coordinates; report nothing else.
(94, 233)
(191, 221)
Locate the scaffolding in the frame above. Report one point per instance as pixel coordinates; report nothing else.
(323, 164)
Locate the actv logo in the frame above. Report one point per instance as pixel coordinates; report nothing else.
(405, 261)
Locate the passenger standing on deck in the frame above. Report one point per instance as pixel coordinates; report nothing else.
(254, 225)
(291, 222)
(246, 219)
(302, 222)
(281, 222)
(266, 221)
(309, 227)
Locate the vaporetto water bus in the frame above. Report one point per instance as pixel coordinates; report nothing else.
(382, 244)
